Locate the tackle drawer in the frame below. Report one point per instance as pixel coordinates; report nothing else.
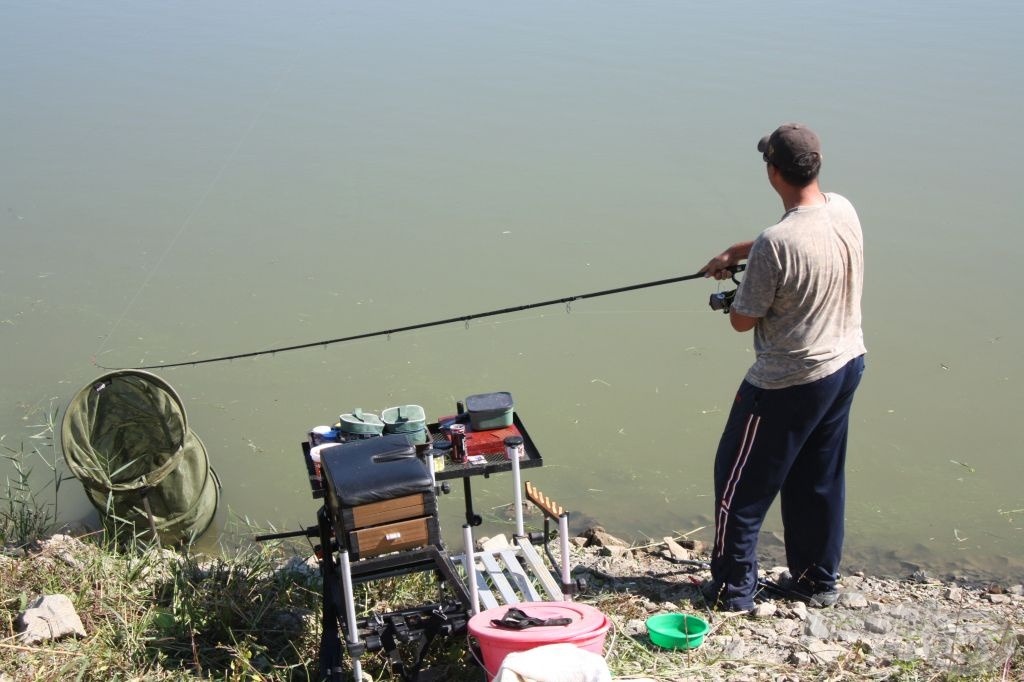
(393, 537)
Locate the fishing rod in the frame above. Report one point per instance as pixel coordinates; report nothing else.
(567, 301)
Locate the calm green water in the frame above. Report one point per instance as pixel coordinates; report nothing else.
(184, 180)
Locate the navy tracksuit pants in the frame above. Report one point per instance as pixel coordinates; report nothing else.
(790, 441)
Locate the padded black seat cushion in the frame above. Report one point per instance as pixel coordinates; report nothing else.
(374, 469)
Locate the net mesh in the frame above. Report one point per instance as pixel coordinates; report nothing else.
(126, 437)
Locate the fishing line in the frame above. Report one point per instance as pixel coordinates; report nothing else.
(466, 319)
(195, 208)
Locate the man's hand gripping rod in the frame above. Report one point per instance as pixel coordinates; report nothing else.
(722, 300)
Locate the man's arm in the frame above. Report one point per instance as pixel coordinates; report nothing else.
(718, 267)
(741, 322)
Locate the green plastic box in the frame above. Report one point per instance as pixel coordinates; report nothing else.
(359, 424)
(489, 410)
(404, 419)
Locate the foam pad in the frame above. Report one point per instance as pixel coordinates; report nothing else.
(374, 469)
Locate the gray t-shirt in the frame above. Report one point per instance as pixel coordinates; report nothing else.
(804, 279)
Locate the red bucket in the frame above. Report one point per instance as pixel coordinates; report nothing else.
(587, 630)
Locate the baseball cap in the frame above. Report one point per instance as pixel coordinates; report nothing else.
(792, 147)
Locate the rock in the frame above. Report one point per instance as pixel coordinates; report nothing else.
(954, 594)
(695, 546)
(787, 627)
(579, 542)
(63, 542)
(800, 610)
(635, 627)
(1016, 590)
(800, 658)
(49, 617)
(764, 610)
(649, 606)
(686, 543)
(920, 576)
(302, 566)
(598, 537)
(816, 627)
(848, 636)
(614, 551)
(998, 598)
(853, 582)
(825, 652)
(66, 549)
(879, 625)
(676, 551)
(734, 649)
(853, 600)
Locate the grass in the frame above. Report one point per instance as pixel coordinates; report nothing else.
(24, 516)
(162, 615)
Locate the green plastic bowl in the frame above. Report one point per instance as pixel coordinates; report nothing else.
(677, 630)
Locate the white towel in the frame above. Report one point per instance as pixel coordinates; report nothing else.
(554, 663)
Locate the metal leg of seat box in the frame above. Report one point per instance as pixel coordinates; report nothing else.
(350, 616)
(472, 518)
(517, 490)
(474, 588)
(330, 642)
(416, 626)
(568, 589)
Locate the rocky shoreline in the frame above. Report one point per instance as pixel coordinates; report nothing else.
(917, 627)
(900, 629)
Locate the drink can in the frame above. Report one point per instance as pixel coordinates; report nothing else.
(458, 437)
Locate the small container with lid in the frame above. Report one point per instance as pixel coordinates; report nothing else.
(323, 434)
(316, 456)
(490, 410)
(514, 448)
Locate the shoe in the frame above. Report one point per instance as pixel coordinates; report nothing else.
(804, 591)
(712, 594)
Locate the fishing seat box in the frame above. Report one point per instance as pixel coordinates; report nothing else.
(380, 496)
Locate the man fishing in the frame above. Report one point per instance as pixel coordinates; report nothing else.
(787, 428)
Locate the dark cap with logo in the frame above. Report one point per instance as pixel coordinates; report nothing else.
(792, 147)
